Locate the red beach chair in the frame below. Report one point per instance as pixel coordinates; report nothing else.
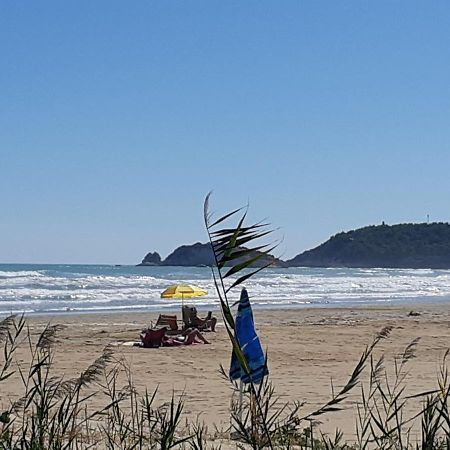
(153, 338)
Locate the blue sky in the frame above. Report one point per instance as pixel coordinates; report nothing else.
(116, 119)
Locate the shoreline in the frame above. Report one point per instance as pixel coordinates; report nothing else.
(342, 306)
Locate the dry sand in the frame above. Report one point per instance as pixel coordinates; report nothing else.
(307, 348)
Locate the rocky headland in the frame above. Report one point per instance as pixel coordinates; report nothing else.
(198, 254)
(415, 246)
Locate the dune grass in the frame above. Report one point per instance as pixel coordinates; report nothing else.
(54, 413)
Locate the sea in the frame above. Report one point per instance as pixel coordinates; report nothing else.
(67, 288)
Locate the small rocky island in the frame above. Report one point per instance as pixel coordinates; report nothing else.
(416, 246)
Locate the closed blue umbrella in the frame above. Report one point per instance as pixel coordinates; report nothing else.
(250, 344)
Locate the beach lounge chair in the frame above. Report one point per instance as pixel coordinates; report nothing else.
(152, 338)
(168, 321)
(191, 319)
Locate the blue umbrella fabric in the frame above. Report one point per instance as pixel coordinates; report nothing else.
(251, 346)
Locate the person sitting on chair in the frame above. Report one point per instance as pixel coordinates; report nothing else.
(191, 319)
(208, 322)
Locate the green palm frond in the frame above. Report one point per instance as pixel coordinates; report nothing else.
(234, 247)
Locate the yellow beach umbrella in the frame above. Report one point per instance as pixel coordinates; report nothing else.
(183, 291)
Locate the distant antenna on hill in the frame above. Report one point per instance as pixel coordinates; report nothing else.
(428, 218)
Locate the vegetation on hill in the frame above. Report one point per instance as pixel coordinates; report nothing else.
(405, 245)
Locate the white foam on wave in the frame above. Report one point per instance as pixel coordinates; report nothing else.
(19, 274)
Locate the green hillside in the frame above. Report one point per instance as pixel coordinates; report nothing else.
(408, 245)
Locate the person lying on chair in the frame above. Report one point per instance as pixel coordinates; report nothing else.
(159, 338)
(187, 337)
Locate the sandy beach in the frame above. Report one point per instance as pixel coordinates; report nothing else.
(307, 349)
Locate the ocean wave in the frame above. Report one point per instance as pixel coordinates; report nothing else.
(19, 274)
(88, 288)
